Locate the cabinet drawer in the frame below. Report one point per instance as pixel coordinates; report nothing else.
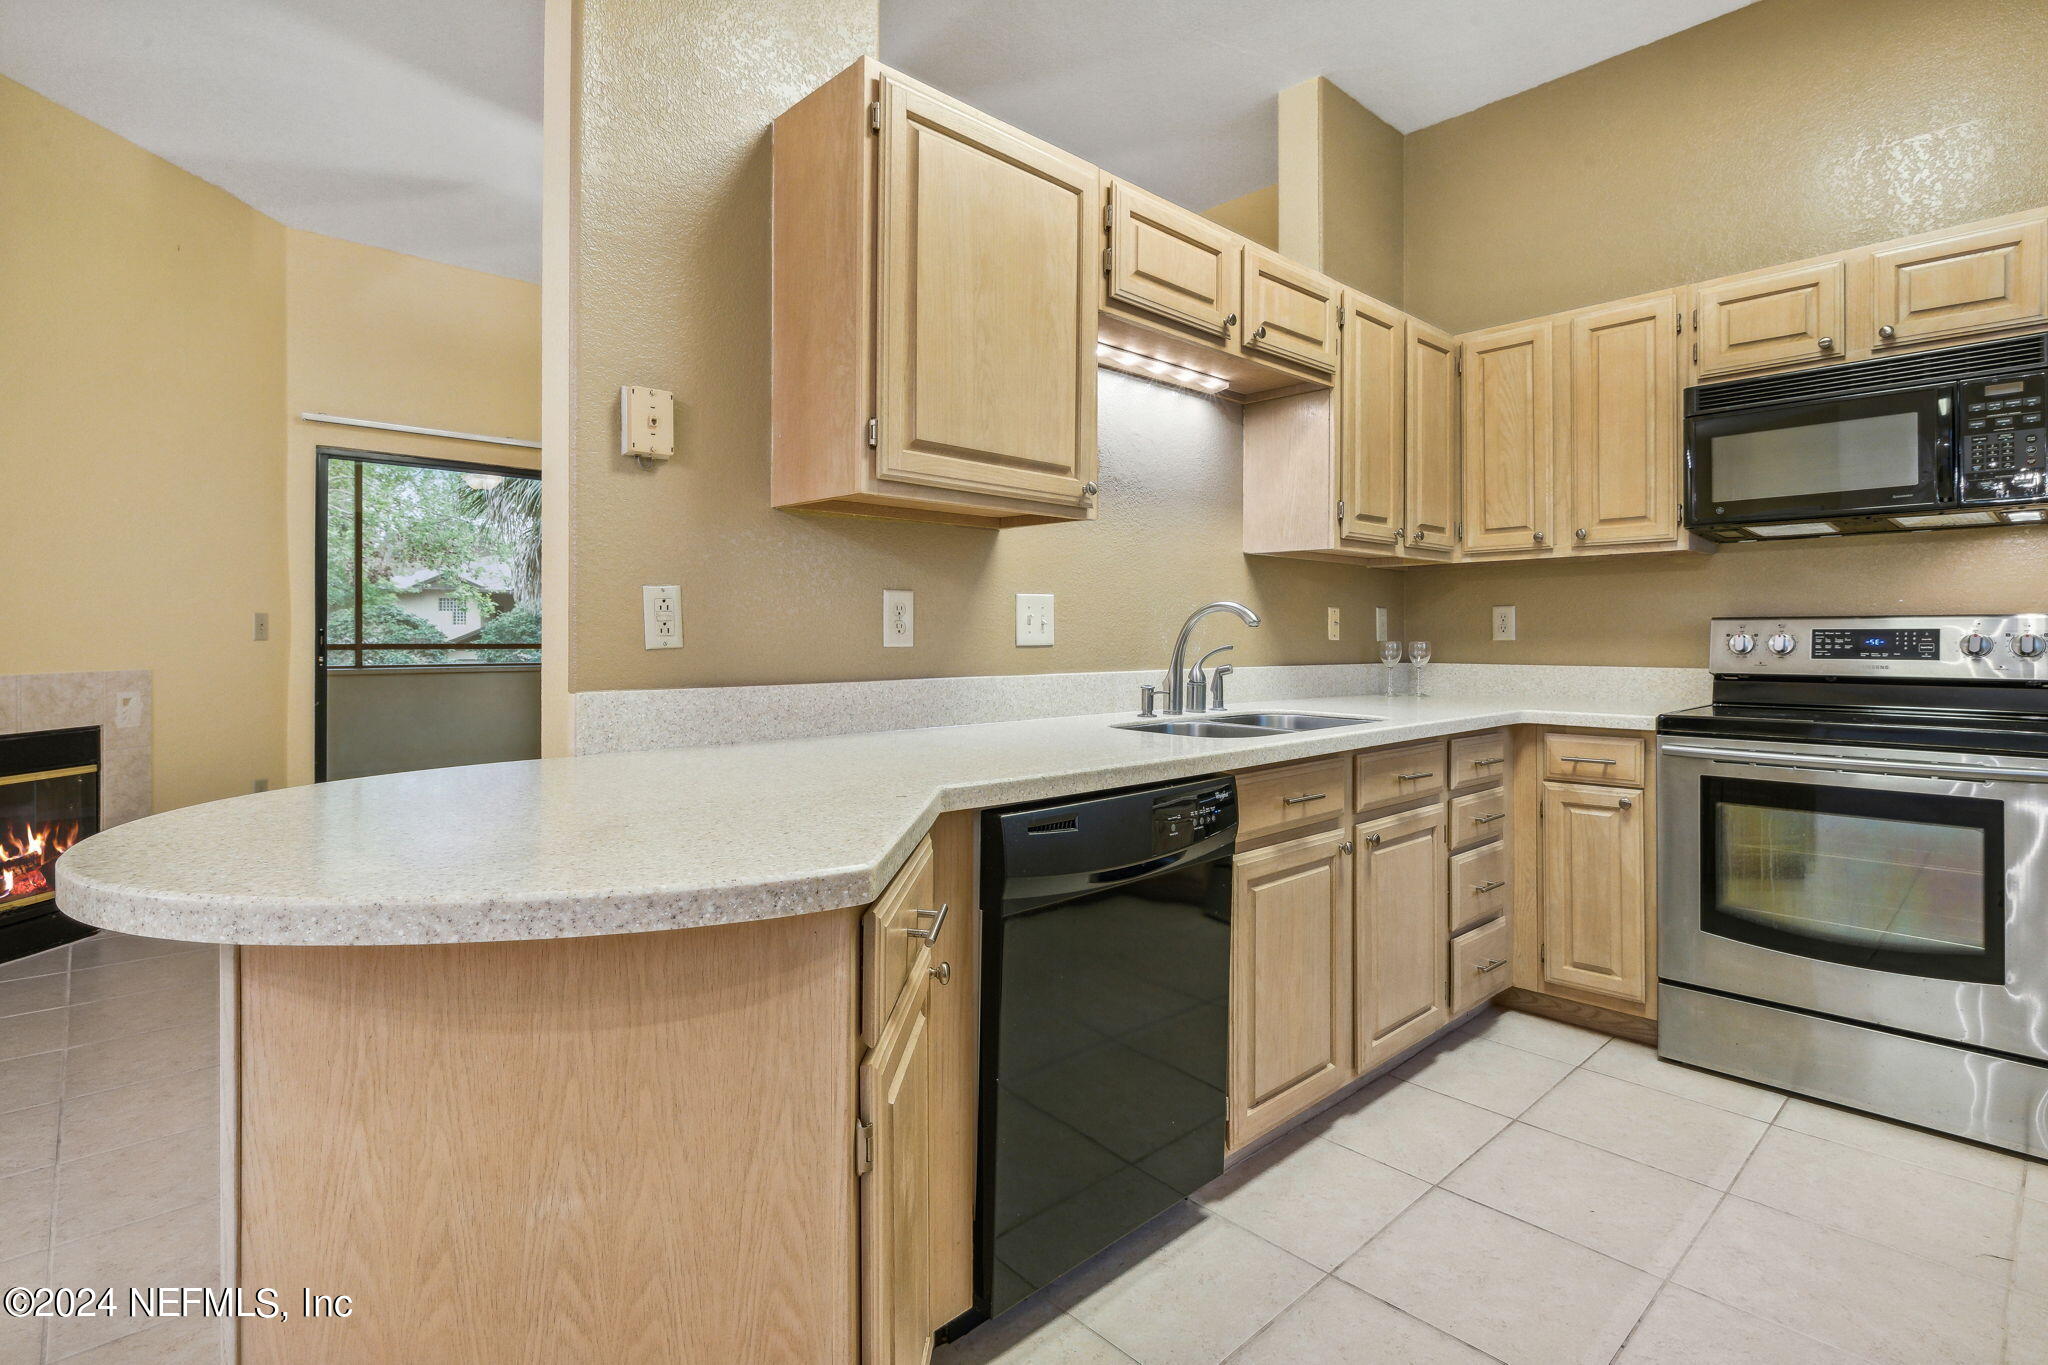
(1478, 760)
(1477, 818)
(893, 951)
(1604, 759)
(1479, 886)
(1294, 794)
(1408, 773)
(1479, 965)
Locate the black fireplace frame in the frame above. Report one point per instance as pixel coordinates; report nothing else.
(44, 925)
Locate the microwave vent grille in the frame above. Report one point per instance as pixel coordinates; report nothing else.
(1918, 370)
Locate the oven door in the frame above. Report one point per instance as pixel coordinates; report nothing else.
(1900, 888)
(1878, 453)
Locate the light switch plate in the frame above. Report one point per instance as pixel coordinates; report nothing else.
(127, 710)
(262, 629)
(1379, 624)
(647, 423)
(899, 618)
(1503, 623)
(1034, 618)
(661, 616)
(1335, 624)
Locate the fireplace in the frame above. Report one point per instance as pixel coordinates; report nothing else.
(49, 800)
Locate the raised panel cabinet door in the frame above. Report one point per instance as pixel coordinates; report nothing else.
(1595, 906)
(1172, 263)
(1372, 406)
(896, 1191)
(1507, 438)
(986, 285)
(1290, 981)
(1432, 438)
(1402, 932)
(1289, 312)
(1623, 424)
(1957, 284)
(1770, 318)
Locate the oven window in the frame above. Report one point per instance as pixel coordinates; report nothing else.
(1894, 881)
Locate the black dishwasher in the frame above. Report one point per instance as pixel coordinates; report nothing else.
(1105, 1022)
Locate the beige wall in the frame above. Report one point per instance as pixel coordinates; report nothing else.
(1785, 129)
(142, 344)
(1341, 177)
(1255, 215)
(664, 271)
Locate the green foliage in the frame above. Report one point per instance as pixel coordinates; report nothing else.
(517, 626)
(387, 625)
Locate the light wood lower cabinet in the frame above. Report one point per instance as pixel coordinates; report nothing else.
(1480, 959)
(1595, 895)
(1290, 981)
(896, 1091)
(1401, 933)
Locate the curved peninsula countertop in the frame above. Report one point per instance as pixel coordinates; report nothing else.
(630, 842)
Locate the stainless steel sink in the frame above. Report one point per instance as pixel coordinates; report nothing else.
(1245, 724)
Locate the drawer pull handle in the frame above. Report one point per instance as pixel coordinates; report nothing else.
(1485, 887)
(938, 926)
(1603, 762)
(1412, 777)
(1487, 762)
(1483, 968)
(1488, 819)
(1303, 799)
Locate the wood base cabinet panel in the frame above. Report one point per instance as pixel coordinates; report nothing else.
(1596, 905)
(896, 1110)
(1401, 933)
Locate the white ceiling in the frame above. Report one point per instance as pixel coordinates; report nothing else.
(408, 124)
(1178, 95)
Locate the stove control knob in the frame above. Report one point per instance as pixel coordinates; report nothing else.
(1781, 644)
(2030, 646)
(1976, 645)
(1741, 644)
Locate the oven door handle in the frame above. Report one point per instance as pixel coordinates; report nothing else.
(1899, 767)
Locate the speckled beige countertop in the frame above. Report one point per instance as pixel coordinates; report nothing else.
(624, 842)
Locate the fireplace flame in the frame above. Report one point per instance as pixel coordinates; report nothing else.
(25, 857)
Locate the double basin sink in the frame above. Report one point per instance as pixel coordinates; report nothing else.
(1244, 724)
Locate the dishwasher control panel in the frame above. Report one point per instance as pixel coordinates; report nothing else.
(1184, 817)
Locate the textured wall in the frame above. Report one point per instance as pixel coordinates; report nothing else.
(1361, 164)
(1785, 129)
(1255, 215)
(669, 253)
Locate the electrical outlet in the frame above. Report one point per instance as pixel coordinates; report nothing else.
(1379, 623)
(661, 616)
(1503, 623)
(1335, 624)
(127, 710)
(1034, 618)
(899, 618)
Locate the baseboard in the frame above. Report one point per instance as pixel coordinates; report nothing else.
(1586, 1016)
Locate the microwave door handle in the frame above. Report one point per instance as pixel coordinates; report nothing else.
(1899, 767)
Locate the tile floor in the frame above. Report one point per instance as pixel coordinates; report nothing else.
(109, 1141)
(1527, 1191)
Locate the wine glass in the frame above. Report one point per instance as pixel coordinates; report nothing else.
(1390, 654)
(1418, 654)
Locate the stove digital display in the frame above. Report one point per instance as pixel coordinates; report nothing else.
(1876, 644)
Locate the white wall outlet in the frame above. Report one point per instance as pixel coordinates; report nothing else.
(1379, 623)
(1503, 623)
(262, 631)
(1034, 618)
(661, 615)
(647, 424)
(127, 710)
(899, 618)
(1335, 624)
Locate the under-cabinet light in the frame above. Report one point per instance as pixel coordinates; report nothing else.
(2025, 516)
(1134, 362)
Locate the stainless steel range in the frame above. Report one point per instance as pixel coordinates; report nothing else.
(1853, 855)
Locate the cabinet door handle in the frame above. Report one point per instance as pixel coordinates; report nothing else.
(1260, 335)
(1580, 533)
(1412, 777)
(1370, 840)
(1229, 322)
(1603, 762)
(1887, 332)
(1483, 968)
(1489, 819)
(1302, 799)
(1344, 847)
(1485, 887)
(943, 973)
(938, 925)
(1827, 343)
(1628, 803)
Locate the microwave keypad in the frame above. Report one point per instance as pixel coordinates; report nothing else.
(2005, 439)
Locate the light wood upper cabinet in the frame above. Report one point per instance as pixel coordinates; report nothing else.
(1621, 428)
(895, 1087)
(1432, 439)
(1290, 981)
(1401, 933)
(1507, 433)
(1166, 262)
(1789, 315)
(1372, 404)
(1290, 313)
(1954, 284)
(1595, 900)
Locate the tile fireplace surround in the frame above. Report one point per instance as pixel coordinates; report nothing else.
(55, 701)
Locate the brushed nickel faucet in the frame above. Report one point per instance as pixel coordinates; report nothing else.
(1176, 672)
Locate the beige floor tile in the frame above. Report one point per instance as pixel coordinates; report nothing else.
(103, 948)
(1622, 1208)
(26, 1082)
(2026, 1330)
(1337, 1324)
(1410, 1127)
(1491, 1075)
(24, 1035)
(21, 1339)
(1516, 1292)
(199, 967)
(97, 1021)
(2030, 1260)
(1035, 1332)
(1311, 1197)
(179, 1248)
(1633, 1062)
(1912, 1208)
(28, 994)
(37, 964)
(1855, 1295)
(125, 1061)
(1533, 1033)
(1189, 1287)
(2037, 1180)
(136, 1113)
(28, 1139)
(1697, 1141)
(1684, 1328)
(193, 1341)
(128, 1184)
(1971, 1162)
(25, 1202)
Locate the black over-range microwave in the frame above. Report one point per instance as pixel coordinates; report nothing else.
(1954, 437)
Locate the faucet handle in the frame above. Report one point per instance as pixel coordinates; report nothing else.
(1216, 685)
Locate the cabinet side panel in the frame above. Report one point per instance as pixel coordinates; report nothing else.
(1290, 483)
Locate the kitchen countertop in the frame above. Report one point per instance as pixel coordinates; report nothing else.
(627, 842)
